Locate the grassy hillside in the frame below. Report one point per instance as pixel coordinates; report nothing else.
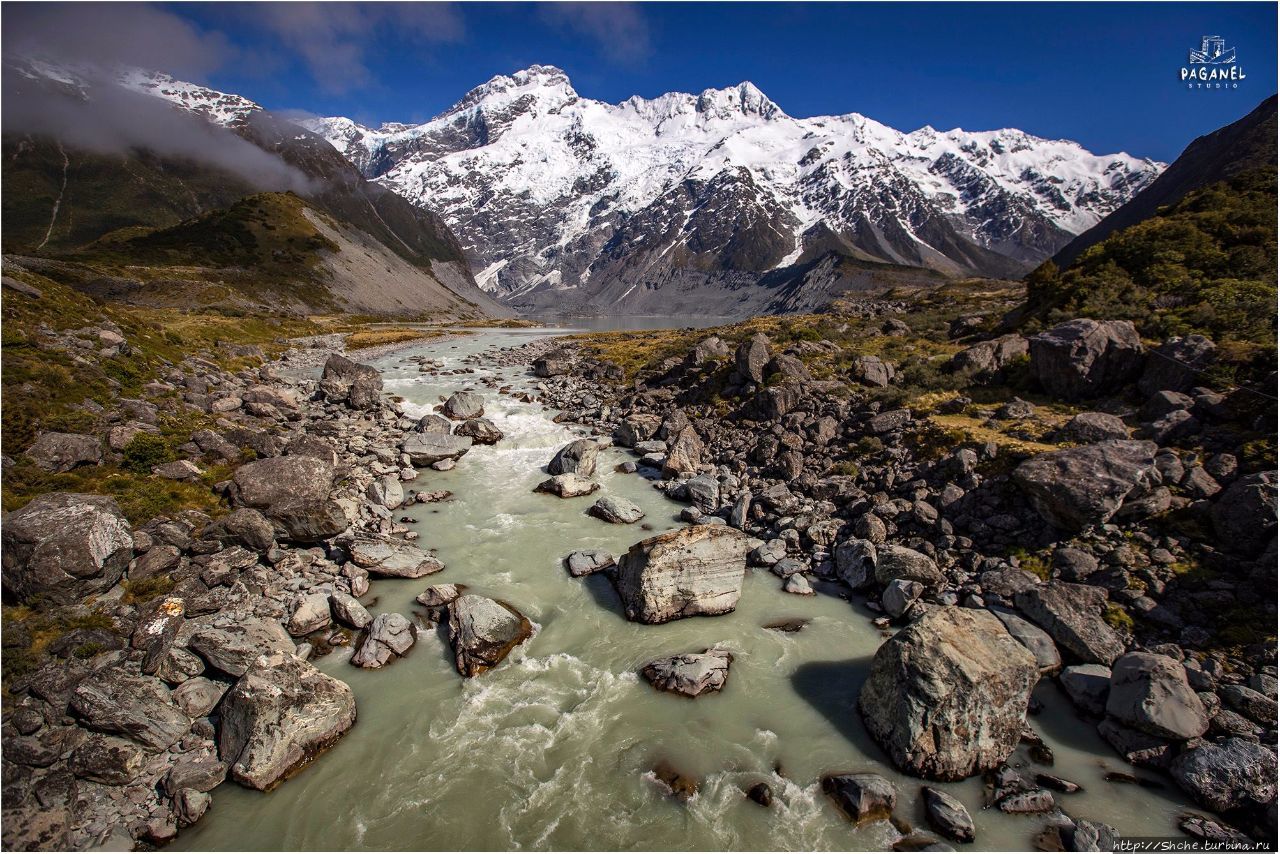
(1206, 265)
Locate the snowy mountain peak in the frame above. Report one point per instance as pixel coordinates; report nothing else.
(745, 99)
(545, 85)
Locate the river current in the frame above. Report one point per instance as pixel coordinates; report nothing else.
(555, 748)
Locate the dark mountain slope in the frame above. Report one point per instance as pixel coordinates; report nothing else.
(1249, 143)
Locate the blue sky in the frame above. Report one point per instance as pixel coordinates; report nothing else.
(1104, 74)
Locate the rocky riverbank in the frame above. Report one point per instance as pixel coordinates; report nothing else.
(174, 656)
(1104, 559)
(164, 658)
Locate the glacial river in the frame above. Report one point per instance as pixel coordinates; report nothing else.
(554, 749)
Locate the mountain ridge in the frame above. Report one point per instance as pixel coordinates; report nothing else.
(545, 188)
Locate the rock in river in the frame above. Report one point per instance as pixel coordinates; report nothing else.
(1234, 773)
(578, 457)
(392, 558)
(567, 486)
(694, 571)
(861, 797)
(947, 815)
(582, 563)
(390, 635)
(483, 631)
(62, 547)
(691, 674)
(280, 715)
(426, 449)
(463, 406)
(947, 695)
(1150, 692)
(618, 510)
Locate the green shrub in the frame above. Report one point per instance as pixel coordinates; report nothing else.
(146, 451)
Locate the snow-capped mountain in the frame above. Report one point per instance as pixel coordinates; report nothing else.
(568, 203)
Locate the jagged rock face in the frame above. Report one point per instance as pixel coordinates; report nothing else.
(684, 573)
(639, 203)
(947, 695)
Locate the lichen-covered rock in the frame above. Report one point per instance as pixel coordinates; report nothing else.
(1231, 774)
(61, 547)
(1076, 488)
(694, 571)
(137, 707)
(279, 715)
(232, 645)
(483, 632)
(1244, 514)
(275, 480)
(60, 452)
(947, 695)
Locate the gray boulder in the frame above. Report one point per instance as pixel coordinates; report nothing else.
(440, 594)
(899, 595)
(751, 357)
(872, 371)
(1086, 358)
(310, 614)
(615, 509)
(1088, 686)
(348, 611)
(861, 797)
(389, 557)
(243, 526)
(635, 429)
(463, 405)
(1077, 488)
(567, 486)
(990, 357)
(947, 696)
(281, 714)
(426, 449)
(856, 563)
(233, 645)
(277, 480)
(1150, 693)
(308, 520)
(482, 431)
(947, 815)
(107, 760)
(690, 674)
(582, 563)
(390, 636)
(1087, 428)
(1231, 774)
(578, 457)
(694, 571)
(685, 454)
(1176, 365)
(901, 563)
(1244, 514)
(62, 547)
(483, 632)
(59, 452)
(386, 492)
(140, 708)
(1071, 614)
(356, 385)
